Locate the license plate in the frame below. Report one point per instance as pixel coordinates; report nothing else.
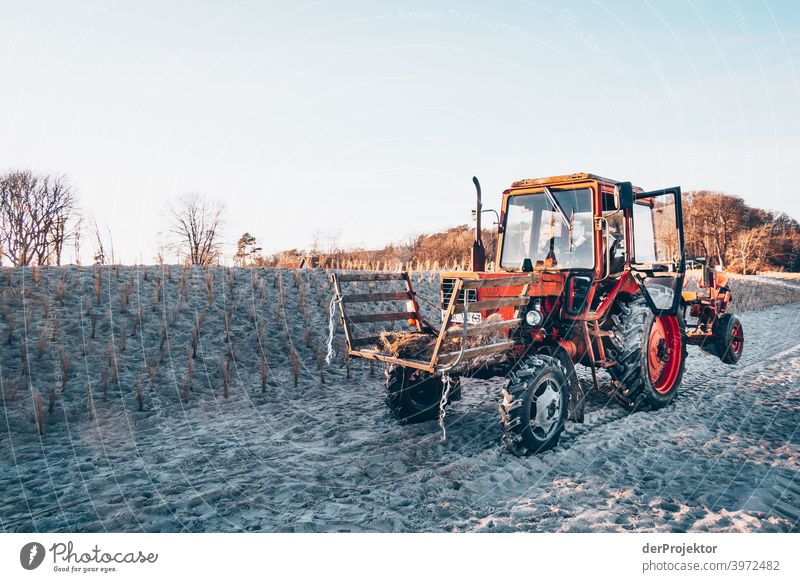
(472, 317)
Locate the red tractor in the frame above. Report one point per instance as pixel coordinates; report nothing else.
(589, 271)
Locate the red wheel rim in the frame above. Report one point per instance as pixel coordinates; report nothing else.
(737, 338)
(664, 353)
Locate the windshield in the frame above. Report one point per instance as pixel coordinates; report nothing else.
(535, 230)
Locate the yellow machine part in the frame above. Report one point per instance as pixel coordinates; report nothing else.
(689, 295)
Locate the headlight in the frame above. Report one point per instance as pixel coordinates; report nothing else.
(534, 318)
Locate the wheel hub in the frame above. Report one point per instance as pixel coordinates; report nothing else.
(547, 408)
(662, 351)
(737, 338)
(663, 357)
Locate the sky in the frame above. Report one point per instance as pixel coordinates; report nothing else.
(364, 122)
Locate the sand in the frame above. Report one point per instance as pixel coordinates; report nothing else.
(327, 457)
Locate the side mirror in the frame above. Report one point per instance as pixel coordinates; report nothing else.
(623, 195)
(474, 214)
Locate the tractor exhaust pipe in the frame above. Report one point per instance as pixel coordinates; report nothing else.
(478, 250)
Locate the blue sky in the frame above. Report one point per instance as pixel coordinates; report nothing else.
(370, 118)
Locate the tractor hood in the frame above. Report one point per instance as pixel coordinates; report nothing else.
(546, 283)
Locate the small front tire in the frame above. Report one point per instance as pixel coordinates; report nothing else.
(729, 338)
(534, 406)
(414, 396)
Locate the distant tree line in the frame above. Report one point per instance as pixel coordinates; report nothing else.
(718, 226)
(39, 218)
(442, 250)
(737, 236)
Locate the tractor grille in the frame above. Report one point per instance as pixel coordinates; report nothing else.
(448, 284)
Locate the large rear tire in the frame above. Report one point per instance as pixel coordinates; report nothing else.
(652, 355)
(414, 396)
(534, 406)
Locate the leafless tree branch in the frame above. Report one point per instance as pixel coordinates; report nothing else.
(35, 218)
(195, 223)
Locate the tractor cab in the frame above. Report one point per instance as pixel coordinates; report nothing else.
(552, 228)
(589, 231)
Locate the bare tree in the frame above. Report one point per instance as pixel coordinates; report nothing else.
(315, 248)
(195, 222)
(76, 239)
(334, 250)
(35, 218)
(714, 219)
(748, 248)
(101, 257)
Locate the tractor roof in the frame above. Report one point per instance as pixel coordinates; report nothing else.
(577, 177)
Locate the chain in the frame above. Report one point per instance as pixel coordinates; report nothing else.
(447, 381)
(331, 328)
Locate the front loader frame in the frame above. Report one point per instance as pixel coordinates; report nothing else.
(440, 362)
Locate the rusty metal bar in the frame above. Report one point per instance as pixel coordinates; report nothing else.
(410, 291)
(342, 312)
(346, 277)
(592, 360)
(448, 316)
(375, 297)
(372, 317)
(392, 360)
